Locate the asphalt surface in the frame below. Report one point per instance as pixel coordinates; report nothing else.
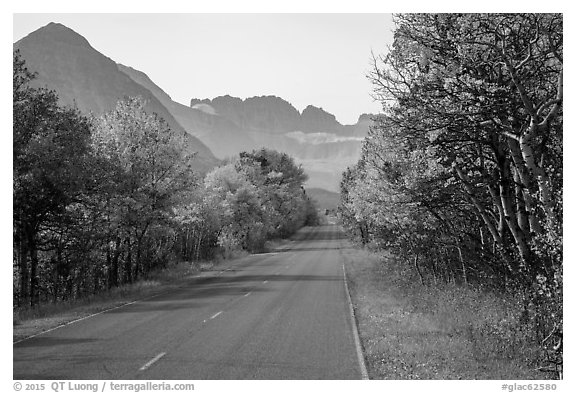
(280, 315)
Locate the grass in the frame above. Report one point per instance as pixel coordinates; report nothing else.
(31, 321)
(409, 331)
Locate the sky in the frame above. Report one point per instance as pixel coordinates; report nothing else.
(307, 59)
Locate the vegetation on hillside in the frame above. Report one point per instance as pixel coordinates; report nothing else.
(461, 176)
(100, 202)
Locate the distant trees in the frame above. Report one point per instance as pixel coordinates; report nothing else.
(260, 196)
(103, 201)
(462, 174)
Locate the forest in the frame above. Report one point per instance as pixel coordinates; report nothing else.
(103, 201)
(461, 175)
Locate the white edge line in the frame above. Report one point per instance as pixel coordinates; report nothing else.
(357, 343)
(89, 316)
(215, 315)
(151, 362)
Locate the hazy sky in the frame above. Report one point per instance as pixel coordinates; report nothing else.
(318, 59)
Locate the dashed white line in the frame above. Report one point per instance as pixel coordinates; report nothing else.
(151, 362)
(215, 315)
(247, 294)
(264, 282)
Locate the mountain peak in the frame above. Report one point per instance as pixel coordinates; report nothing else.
(88, 80)
(57, 32)
(316, 119)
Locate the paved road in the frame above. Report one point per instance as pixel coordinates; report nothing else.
(281, 315)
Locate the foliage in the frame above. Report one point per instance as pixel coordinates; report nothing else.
(462, 173)
(105, 201)
(258, 197)
(50, 167)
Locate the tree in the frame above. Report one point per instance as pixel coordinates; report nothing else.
(483, 94)
(465, 163)
(151, 167)
(281, 183)
(242, 214)
(50, 170)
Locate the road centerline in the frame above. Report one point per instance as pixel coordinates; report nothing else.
(154, 360)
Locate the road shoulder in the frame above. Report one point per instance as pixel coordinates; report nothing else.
(402, 339)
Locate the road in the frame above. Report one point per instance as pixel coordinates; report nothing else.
(279, 315)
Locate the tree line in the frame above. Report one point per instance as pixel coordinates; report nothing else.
(102, 201)
(461, 175)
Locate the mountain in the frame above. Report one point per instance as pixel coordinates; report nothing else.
(270, 113)
(218, 128)
(323, 146)
(220, 134)
(275, 115)
(66, 62)
(315, 119)
(229, 125)
(324, 199)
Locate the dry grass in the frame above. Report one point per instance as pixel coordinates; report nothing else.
(409, 331)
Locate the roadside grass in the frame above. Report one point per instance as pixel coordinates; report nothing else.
(409, 331)
(31, 321)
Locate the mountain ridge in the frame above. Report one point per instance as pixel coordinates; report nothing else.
(220, 127)
(65, 61)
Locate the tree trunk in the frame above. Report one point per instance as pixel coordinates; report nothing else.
(128, 262)
(497, 202)
(541, 178)
(521, 214)
(481, 210)
(198, 246)
(34, 282)
(464, 273)
(507, 200)
(112, 258)
(528, 188)
(418, 269)
(24, 295)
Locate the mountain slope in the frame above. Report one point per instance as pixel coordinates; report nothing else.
(220, 134)
(325, 200)
(67, 63)
(222, 127)
(229, 125)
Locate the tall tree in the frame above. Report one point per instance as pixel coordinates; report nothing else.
(152, 166)
(483, 94)
(50, 166)
(462, 172)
